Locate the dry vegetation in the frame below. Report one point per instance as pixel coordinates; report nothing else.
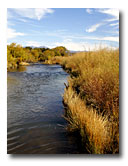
(92, 98)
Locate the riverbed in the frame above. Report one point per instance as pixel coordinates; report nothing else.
(35, 112)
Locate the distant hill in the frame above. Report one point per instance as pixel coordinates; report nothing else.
(71, 51)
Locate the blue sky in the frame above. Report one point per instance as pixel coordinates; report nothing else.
(77, 29)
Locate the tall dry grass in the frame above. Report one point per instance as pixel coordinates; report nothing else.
(92, 97)
(93, 128)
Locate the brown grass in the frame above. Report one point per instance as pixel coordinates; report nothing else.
(92, 98)
(93, 127)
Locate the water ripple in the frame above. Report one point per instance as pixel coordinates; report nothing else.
(35, 123)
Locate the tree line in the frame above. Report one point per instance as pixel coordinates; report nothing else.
(16, 54)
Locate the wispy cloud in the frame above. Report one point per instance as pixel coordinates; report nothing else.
(11, 33)
(61, 33)
(114, 24)
(33, 13)
(112, 32)
(108, 38)
(22, 20)
(33, 43)
(112, 12)
(113, 15)
(89, 11)
(115, 39)
(93, 27)
(66, 36)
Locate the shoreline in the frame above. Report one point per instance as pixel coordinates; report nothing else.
(97, 124)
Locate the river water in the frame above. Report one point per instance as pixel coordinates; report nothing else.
(35, 112)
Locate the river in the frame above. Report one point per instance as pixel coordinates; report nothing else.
(35, 112)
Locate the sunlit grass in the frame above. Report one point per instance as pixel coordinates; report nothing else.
(92, 97)
(93, 128)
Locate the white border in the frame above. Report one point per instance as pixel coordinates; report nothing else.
(60, 160)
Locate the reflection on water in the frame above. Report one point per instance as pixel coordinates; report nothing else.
(20, 69)
(35, 109)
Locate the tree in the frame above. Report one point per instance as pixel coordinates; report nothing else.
(48, 54)
(60, 51)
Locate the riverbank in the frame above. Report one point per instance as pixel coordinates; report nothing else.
(91, 98)
(18, 55)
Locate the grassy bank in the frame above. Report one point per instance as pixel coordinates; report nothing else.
(92, 98)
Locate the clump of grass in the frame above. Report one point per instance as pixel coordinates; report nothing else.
(93, 128)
